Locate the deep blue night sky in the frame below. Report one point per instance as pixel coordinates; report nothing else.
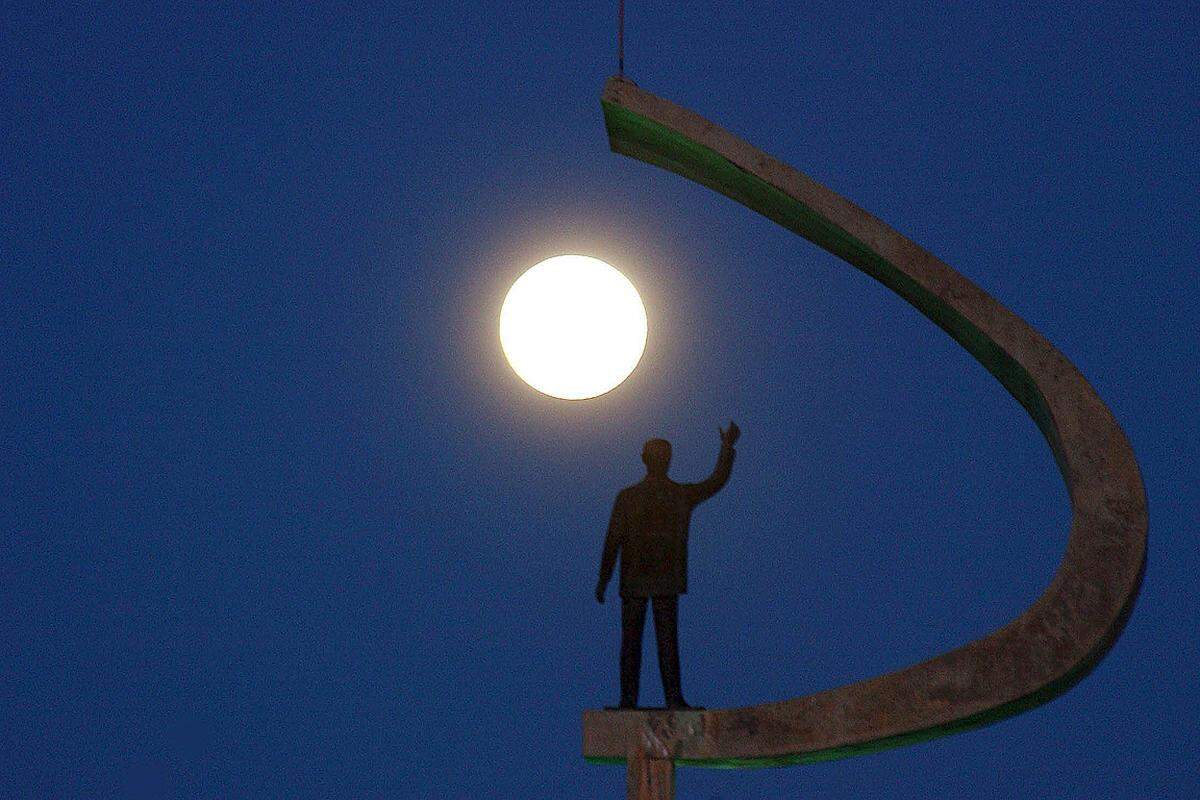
(279, 521)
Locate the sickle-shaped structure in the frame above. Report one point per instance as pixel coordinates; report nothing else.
(1029, 661)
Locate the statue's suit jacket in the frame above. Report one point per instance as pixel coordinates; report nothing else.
(649, 529)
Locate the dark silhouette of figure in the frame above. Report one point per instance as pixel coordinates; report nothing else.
(649, 530)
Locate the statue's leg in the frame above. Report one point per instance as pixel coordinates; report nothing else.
(633, 621)
(666, 633)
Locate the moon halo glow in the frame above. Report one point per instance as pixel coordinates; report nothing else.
(573, 327)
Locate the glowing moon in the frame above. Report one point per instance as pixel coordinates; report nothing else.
(573, 327)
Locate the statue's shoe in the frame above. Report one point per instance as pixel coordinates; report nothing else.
(681, 705)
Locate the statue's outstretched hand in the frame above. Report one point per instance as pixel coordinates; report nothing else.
(730, 435)
(600, 593)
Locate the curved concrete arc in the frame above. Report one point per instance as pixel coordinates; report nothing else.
(1029, 661)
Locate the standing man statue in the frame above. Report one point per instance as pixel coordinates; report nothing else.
(649, 529)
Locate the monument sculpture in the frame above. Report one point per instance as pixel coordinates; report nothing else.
(648, 532)
(1042, 653)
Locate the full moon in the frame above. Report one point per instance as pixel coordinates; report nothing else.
(573, 327)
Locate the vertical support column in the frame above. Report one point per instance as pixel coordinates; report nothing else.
(649, 778)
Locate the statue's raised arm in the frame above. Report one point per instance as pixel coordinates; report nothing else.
(699, 492)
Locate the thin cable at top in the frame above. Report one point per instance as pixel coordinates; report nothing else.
(621, 38)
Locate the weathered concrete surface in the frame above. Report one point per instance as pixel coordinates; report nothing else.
(649, 778)
(1032, 659)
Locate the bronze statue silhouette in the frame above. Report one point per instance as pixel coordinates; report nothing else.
(649, 531)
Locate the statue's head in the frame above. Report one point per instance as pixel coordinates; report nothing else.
(656, 455)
